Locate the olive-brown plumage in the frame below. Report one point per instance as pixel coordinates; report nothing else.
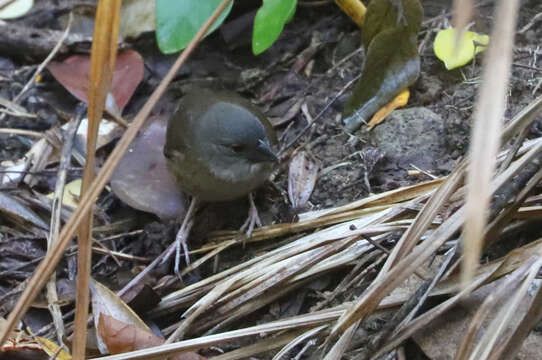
(219, 146)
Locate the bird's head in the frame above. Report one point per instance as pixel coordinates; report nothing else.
(230, 133)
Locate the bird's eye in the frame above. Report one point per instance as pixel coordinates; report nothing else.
(167, 153)
(237, 148)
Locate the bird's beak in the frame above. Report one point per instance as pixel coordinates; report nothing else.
(264, 153)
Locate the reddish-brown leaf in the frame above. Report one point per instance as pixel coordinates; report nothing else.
(73, 74)
(121, 337)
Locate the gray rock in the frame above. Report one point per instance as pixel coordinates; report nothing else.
(412, 136)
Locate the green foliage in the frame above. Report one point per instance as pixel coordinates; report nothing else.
(177, 21)
(392, 63)
(269, 22)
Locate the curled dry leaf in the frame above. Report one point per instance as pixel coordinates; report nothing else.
(301, 179)
(73, 74)
(121, 337)
(106, 302)
(142, 179)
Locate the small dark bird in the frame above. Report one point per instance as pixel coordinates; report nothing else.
(219, 147)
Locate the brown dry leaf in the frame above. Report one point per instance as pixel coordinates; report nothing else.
(301, 179)
(73, 74)
(106, 302)
(121, 337)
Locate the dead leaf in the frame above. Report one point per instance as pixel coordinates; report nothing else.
(121, 337)
(301, 179)
(73, 74)
(106, 302)
(142, 179)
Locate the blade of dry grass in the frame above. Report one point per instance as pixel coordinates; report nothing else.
(495, 332)
(529, 321)
(46, 267)
(102, 62)
(523, 119)
(429, 316)
(298, 340)
(341, 345)
(56, 208)
(294, 323)
(319, 218)
(372, 296)
(424, 218)
(488, 115)
(202, 305)
(246, 352)
(506, 289)
(487, 273)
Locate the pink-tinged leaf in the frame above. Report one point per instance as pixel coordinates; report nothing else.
(73, 74)
(142, 179)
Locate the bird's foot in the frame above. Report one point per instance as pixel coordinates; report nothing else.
(252, 220)
(182, 236)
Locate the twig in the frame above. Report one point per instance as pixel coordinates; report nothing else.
(56, 208)
(317, 117)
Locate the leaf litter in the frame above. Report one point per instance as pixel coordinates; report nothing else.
(383, 256)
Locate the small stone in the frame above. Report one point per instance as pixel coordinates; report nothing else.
(412, 136)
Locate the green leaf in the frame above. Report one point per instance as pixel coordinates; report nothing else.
(269, 22)
(177, 21)
(392, 63)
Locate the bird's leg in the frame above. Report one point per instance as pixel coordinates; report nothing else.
(253, 218)
(182, 235)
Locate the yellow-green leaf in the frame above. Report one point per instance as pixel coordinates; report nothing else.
(470, 45)
(72, 192)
